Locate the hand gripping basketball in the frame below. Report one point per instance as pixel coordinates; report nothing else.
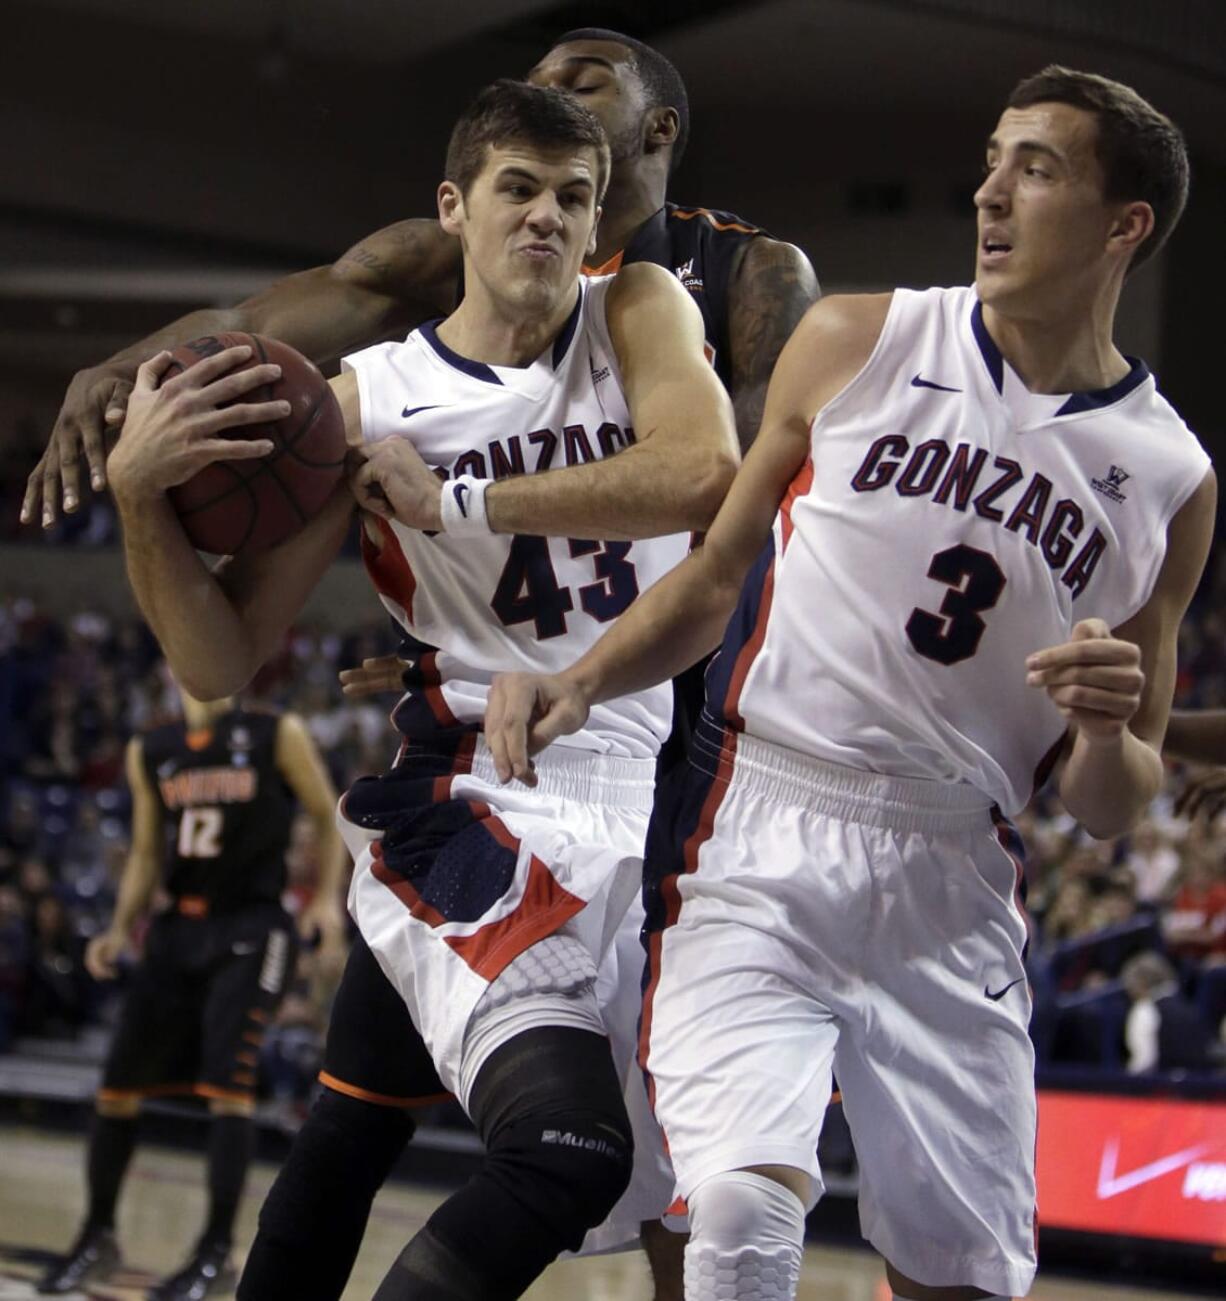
(241, 432)
(175, 422)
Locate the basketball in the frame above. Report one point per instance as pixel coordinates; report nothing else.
(249, 506)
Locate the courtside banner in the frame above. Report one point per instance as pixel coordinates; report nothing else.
(1140, 1167)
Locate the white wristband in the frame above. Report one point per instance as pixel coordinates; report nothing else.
(462, 506)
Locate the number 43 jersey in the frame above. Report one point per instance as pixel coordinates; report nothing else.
(476, 606)
(948, 523)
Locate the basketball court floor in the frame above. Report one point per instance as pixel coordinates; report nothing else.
(162, 1210)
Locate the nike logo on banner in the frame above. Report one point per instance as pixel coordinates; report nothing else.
(1111, 1185)
(927, 383)
(412, 411)
(1000, 993)
(460, 489)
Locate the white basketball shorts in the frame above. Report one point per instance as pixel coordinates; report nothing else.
(807, 920)
(463, 874)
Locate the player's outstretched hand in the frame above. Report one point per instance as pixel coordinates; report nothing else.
(324, 920)
(1204, 794)
(393, 481)
(102, 954)
(93, 407)
(1094, 679)
(374, 676)
(173, 430)
(524, 713)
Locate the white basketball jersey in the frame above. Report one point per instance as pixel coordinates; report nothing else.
(477, 606)
(948, 523)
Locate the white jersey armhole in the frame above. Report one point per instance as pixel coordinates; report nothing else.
(596, 317)
(1185, 486)
(889, 327)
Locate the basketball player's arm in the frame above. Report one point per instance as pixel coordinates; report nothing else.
(676, 473)
(1196, 736)
(216, 626)
(141, 869)
(1115, 687)
(671, 479)
(391, 280)
(299, 762)
(682, 617)
(772, 287)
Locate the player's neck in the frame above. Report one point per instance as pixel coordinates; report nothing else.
(199, 714)
(1071, 353)
(485, 330)
(630, 200)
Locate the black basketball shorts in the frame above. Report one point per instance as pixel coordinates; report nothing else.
(200, 1003)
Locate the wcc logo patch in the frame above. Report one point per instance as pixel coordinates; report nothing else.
(1111, 485)
(685, 273)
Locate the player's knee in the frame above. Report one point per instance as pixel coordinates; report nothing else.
(571, 1168)
(340, 1159)
(907, 1289)
(747, 1229)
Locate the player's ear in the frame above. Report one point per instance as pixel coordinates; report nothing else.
(1132, 225)
(591, 239)
(450, 207)
(660, 128)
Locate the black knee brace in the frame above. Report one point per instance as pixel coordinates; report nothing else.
(312, 1221)
(558, 1154)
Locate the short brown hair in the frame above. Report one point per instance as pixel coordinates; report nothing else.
(514, 110)
(1142, 152)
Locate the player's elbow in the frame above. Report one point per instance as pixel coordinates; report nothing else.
(707, 489)
(213, 680)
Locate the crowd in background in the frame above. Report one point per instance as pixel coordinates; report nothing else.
(1127, 953)
(72, 692)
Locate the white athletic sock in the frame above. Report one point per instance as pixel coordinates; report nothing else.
(746, 1239)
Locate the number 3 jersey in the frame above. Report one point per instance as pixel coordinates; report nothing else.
(948, 523)
(228, 810)
(476, 606)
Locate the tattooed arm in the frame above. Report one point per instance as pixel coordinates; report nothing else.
(772, 288)
(391, 280)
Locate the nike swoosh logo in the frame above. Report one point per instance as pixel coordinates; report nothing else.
(916, 382)
(1000, 993)
(1111, 1185)
(460, 489)
(412, 411)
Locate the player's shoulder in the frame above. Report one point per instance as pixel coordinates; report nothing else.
(833, 343)
(715, 220)
(645, 287)
(848, 322)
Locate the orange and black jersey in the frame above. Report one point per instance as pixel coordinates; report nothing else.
(227, 807)
(700, 246)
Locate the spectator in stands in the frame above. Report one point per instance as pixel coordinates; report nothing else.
(1195, 925)
(1163, 1031)
(1068, 915)
(1115, 902)
(57, 988)
(19, 832)
(14, 958)
(1153, 861)
(54, 752)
